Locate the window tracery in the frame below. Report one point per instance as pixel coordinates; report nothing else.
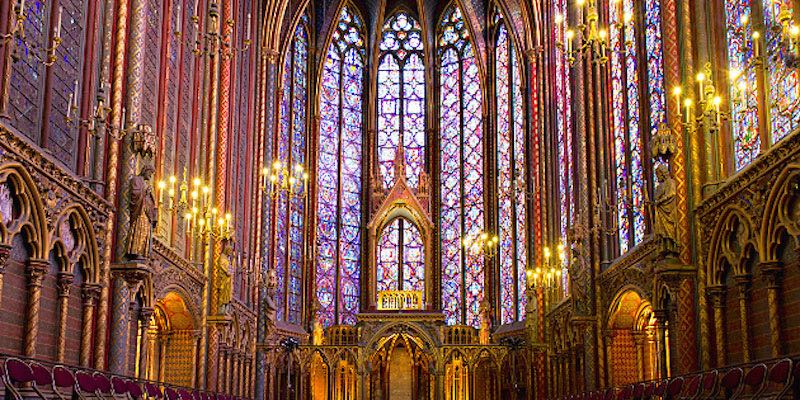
(510, 177)
(339, 174)
(290, 150)
(462, 169)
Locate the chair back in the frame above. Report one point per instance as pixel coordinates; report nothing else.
(732, 379)
(674, 388)
(756, 376)
(119, 385)
(780, 372)
(62, 378)
(103, 383)
(152, 390)
(18, 371)
(41, 376)
(171, 394)
(692, 388)
(86, 382)
(134, 389)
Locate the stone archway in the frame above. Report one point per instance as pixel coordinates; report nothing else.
(172, 337)
(631, 339)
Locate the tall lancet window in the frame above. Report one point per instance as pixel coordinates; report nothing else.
(564, 142)
(291, 152)
(462, 203)
(510, 177)
(339, 174)
(401, 98)
(781, 81)
(401, 257)
(625, 124)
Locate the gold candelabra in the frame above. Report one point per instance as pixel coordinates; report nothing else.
(548, 274)
(707, 111)
(591, 37)
(193, 201)
(481, 243)
(282, 178)
(212, 41)
(16, 36)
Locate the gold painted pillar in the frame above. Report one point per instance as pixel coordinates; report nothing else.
(36, 271)
(145, 315)
(163, 345)
(638, 339)
(717, 296)
(89, 294)
(662, 353)
(64, 284)
(771, 273)
(743, 284)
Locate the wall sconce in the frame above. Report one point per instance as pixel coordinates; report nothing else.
(17, 37)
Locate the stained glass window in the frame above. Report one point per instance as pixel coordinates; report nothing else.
(401, 257)
(782, 81)
(510, 178)
(339, 174)
(462, 203)
(564, 150)
(401, 98)
(65, 72)
(291, 148)
(625, 124)
(27, 74)
(746, 140)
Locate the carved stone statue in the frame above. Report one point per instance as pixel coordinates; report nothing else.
(224, 286)
(271, 310)
(317, 332)
(486, 322)
(143, 214)
(423, 186)
(665, 209)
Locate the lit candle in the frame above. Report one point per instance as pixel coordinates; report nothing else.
(569, 36)
(677, 91)
(249, 26)
(688, 104)
(756, 37)
(58, 22)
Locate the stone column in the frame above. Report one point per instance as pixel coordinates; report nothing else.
(197, 337)
(662, 317)
(162, 354)
(743, 284)
(126, 278)
(120, 326)
(89, 294)
(64, 284)
(36, 271)
(638, 339)
(5, 251)
(771, 273)
(145, 314)
(716, 295)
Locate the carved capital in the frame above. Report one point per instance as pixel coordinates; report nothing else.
(5, 252)
(771, 272)
(64, 283)
(132, 272)
(90, 292)
(743, 281)
(716, 294)
(36, 271)
(145, 314)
